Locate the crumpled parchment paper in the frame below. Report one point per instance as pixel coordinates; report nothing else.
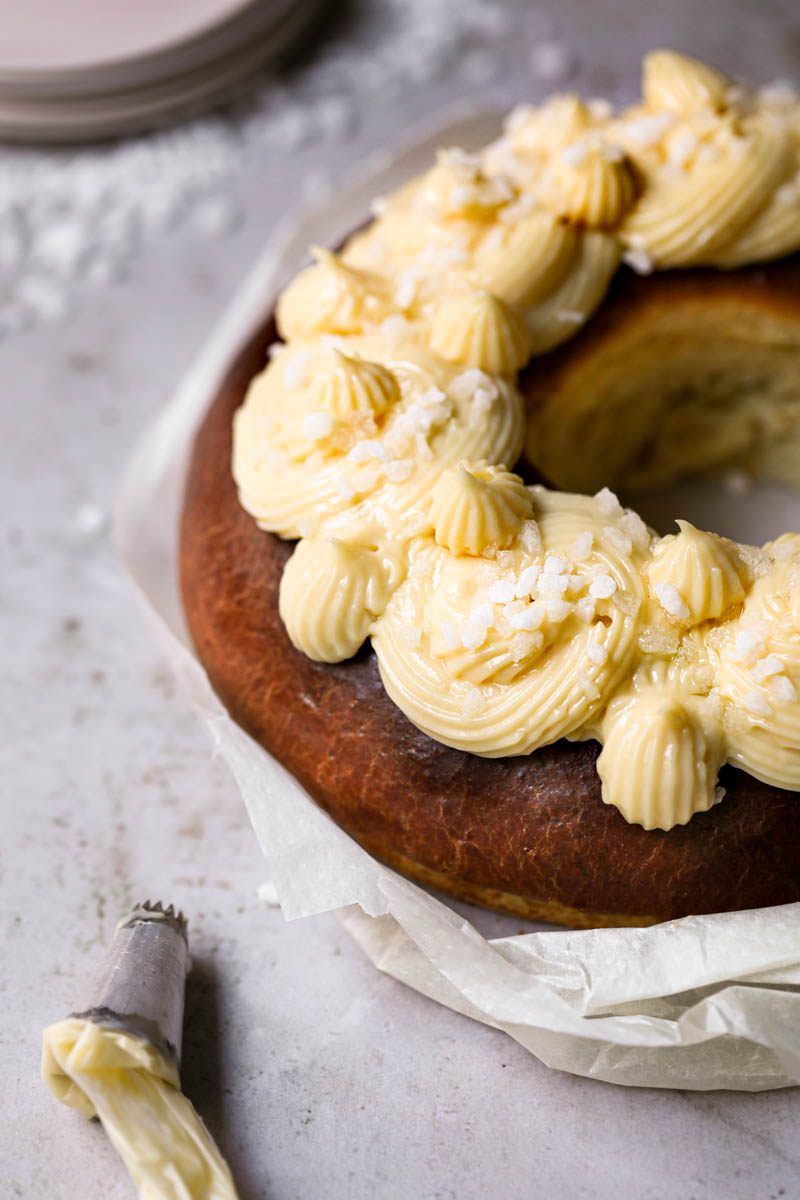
(705, 1002)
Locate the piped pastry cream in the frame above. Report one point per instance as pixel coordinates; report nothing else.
(351, 584)
(503, 616)
(474, 326)
(703, 574)
(134, 1089)
(659, 760)
(475, 508)
(591, 183)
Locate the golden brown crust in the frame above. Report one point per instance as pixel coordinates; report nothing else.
(529, 835)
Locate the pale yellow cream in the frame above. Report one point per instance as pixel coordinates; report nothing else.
(134, 1090)
(505, 617)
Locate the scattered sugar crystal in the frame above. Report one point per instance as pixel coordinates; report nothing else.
(671, 600)
(600, 108)
(554, 564)
(553, 585)
(737, 483)
(557, 610)
(519, 115)
(450, 634)
(782, 690)
(582, 546)
(215, 216)
(619, 540)
(60, 246)
(42, 297)
(295, 372)
(585, 608)
(472, 636)
(608, 503)
(779, 94)
(527, 581)
(626, 602)
(399, 470)
(575, 154)
(587, 686)
(395, 327)
(552, 62)
(719, 794)
(682, 148)
(523, 204)
(410, 636)
(365, 450)
(432, 397)
(446, 256)
(646, 131)
(483, 399)
(522, 644)
(465, 385)
(611, 152)
(318, 425)
(597, 652)
(707, 153)
(784, 551)
(756, 703)
(505, 560)
(91, 519)
(461, 195)
(474, 703)
(502, 591)
(364, 481)
(633, 525)
(638, 260)
(406, 290)
(748, 645)
(661, 640)
(602, 587)
(530, 538)
(767, 667)
(344, 488)
(531, 618)
(482, 616)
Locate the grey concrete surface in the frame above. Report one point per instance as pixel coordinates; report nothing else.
(320, 1077)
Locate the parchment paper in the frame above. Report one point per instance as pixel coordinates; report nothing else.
(705, 1002)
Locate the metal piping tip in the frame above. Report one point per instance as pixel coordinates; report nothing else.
(139, 986)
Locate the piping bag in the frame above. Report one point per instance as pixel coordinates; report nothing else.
(118, 1058)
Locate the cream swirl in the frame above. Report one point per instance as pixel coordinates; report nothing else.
(350, 582)
(477, 507)
(659, 760)
(704, 570)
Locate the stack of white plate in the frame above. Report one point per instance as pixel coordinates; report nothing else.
(77, 69)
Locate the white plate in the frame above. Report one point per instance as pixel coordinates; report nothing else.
(50, 100)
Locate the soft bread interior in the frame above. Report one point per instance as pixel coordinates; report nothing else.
(669, 392)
